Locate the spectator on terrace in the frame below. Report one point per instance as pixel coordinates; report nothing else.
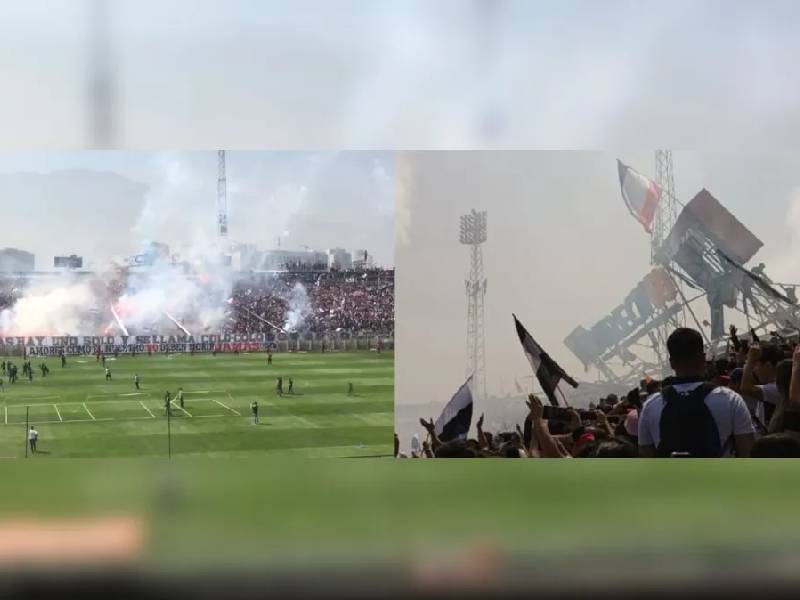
(690, 417)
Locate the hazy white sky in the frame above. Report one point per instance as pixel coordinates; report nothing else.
(103, 204)
(413, 74)
(562, 248)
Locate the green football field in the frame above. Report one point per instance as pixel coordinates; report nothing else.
(79, 414)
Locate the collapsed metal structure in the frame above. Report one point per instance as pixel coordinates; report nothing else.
(700, 263)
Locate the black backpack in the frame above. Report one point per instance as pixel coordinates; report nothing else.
(687, 426)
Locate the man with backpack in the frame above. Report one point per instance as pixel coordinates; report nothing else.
(690, 417)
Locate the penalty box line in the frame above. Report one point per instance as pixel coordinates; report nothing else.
(92, 417)
(223, 405)
(144, 406)
(180, 408)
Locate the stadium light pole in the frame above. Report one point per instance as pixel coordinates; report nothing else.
(27, 428)
(473, 234)
(169, 433)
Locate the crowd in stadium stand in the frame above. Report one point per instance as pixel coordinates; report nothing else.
(299, 266)
(7, 292)
(336, 301)
(331, 302)
(744, 404)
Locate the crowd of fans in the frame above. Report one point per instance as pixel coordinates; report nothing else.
(299, 266)
(744, 404)
(7, 292)
(326, 302)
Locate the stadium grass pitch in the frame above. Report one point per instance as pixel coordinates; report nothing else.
(79, 414)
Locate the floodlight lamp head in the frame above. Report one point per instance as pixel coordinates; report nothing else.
(473, 228)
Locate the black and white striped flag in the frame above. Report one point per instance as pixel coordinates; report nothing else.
(456, 418)
(547, 371)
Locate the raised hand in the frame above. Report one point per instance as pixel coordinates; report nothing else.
(429, 426)
(754, 352)
(535, 406)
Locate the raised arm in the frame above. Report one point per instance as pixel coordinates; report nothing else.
(481, 437)
(749, 387)
(430, 427)
(549, 447)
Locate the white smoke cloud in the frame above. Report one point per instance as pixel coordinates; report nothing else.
(54, 307)
(299, 308)
(785, 267)
(170, 212)
(404, 198)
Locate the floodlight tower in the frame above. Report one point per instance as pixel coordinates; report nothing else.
(222, 197)
(668, 208)
(473, 234)
(666, 215)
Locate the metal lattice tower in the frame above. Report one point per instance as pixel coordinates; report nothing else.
(667, 215)
(222, 197)
(473, 234)
(668, 207)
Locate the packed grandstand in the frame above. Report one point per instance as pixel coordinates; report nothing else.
(279, 305)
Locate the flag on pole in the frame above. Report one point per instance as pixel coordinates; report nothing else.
(547, 371)
(640, 194)
(456, 418)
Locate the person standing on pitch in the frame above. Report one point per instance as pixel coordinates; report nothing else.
(269, 356)
(291, 385)
(108, 374)
(254, 410)
(280, 386)
(180, 396)
(33, 437)
(351, 391)
(136, 380)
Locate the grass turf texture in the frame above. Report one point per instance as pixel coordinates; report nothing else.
(656, 512)
(79, 414)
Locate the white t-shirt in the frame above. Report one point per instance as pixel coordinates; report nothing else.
(33, 434)
(727, 407)
(770, 393)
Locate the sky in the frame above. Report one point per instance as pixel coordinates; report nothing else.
(562, 249)
(106, 205)
(373, 74)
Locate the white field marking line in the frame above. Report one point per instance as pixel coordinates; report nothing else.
(131, 401)
(179, 407)
(228, 407)
(88, 411)
(58, 412)
(6, 410)
(117, 395)
(98, 420)
(107, 419)
(144, 406)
